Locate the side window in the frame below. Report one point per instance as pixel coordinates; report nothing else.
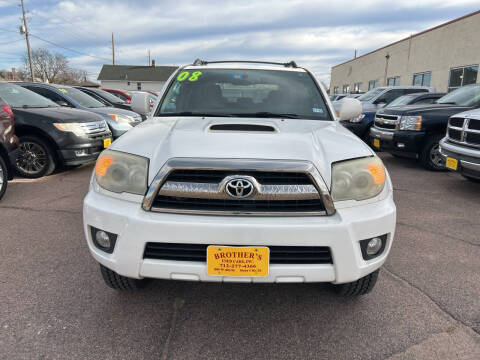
(390, 95)
(96, 97)
(425, 101)
(412, 91)
(49, 94)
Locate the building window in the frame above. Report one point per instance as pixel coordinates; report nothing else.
(335, 90)
(372, 84)
(461, 76)
(393, 81)
(422, 79)
(346, 89)
(139, 86)
(357, 87)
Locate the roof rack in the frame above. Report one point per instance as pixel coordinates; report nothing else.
(199, 62)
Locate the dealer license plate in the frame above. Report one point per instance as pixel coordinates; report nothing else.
(451, 163)
(237, 261)
(376, 143)
(107, 143)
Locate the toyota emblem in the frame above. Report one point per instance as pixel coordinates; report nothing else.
(239, 188)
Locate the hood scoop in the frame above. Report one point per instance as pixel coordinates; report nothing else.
(242, 127)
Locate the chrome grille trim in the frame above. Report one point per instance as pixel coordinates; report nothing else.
(95, 127)
(214, 191)
(391, 121)
(464, 132)
(306, 167)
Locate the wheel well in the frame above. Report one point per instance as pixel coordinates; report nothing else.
(28, 130)
(4, 156)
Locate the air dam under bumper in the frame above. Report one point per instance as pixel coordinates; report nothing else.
(136, 227)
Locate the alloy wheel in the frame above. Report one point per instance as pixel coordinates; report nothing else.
(32, 158)
(435, 156)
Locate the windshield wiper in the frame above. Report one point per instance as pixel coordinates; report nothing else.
(266, 114)
(448, 103)
(192, 113)
(33, 106)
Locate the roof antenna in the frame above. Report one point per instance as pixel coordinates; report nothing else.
(199, 62)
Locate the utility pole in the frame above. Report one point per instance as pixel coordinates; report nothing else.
(28, 42)
(113, 51)
(149, 57)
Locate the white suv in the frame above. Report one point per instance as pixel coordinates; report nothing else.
(241, 173)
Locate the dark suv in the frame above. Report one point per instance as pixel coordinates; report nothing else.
(8, 145)
(415, 130)
(51, 135)
(119, 120)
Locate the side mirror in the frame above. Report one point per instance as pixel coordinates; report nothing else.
(140, 103)
(62, 103)
(349, 108)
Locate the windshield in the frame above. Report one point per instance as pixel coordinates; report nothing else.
(81, 98)
(246, 93)
(370, 94)
(17, 96)
(402, 100)
(464, 96)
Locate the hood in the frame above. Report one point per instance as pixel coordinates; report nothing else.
(320, 142)
(471, 114)
(423, 109)
(59, 114)
(113, 110)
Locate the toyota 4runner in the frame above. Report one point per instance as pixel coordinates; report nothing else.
(242, 173)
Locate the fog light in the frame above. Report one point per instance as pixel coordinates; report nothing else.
(373, 246)
(81, 152)
(102, 239)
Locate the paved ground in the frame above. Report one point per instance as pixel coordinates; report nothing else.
(426, 305)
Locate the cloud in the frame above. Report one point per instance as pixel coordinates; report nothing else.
(317, 34)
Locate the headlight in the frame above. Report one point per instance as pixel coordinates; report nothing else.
(76, 128)
(357, 179)
(121, 172)
(410, 123)
(121, 119)
(357, 119)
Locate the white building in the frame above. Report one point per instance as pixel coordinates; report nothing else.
(131, 77)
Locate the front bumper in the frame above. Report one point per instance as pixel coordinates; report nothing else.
(468, 158)
(83, 152)
(404, 142)
(340, 232)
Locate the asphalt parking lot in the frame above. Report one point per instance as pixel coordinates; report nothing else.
(54, 304)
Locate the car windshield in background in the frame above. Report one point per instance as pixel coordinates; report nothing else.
(109, 97)
(17, 96)
(80, 97)
(244, 93)
(464, 96)
(370, 94)
(402, 100)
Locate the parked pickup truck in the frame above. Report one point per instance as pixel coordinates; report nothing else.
(416, 130)
(461, 147)
(241, 173)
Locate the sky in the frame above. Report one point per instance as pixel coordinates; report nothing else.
(317, 34)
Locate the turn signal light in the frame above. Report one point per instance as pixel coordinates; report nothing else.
(102, 165)
(378, 173)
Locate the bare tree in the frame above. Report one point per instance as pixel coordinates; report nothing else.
(46, 65)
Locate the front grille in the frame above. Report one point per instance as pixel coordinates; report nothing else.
(245, 206)
(455, 134)
(456, 122)
(278, 254)
(96, 127)
(465, 131)
(216, 176)
(388, 122)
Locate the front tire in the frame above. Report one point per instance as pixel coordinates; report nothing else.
(3, 177)
(430, 157)
(35, 158)
(119, 282)
(360, 287)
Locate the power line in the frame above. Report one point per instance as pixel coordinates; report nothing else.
(11, 42)
(68, 49)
